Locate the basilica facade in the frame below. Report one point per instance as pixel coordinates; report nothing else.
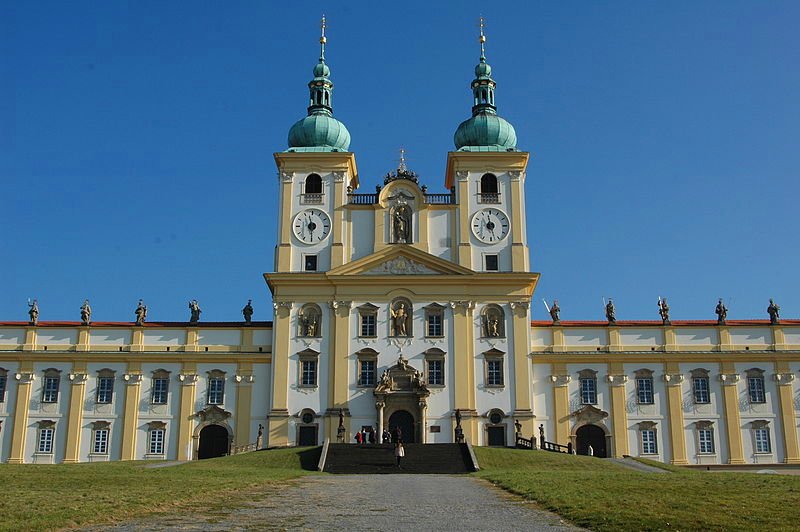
(400, 308)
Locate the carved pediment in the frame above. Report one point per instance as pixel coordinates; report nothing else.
(589, 414)
(400, 260)
(400, 266)
(402, 378)
(213, 414)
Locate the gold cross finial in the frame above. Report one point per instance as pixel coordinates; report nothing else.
(482, 38)
(402, 165)
(322, 39)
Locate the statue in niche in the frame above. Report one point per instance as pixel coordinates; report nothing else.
(194, 309)
(400, 319)
(33, 311)
(663, 311)
(555, 312)
(247, 311)
(722, 312)
(774, 313)
(309, 322)
(86, 312)
(141, 313)
(401, 224)
(611, 313)
(492, 323)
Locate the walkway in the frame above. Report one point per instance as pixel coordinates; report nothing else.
(370, 502)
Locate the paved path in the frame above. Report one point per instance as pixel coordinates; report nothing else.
(638, 466)
(370, 502)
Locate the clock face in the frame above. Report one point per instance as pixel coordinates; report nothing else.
(490, 225)
(311, 226)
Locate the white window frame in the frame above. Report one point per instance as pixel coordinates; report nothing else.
(645, 394)
(105, 390)
(156, 391)
(155, 440)
(756, 387)
(46, 437)
(649, 441)
(215, 391)
(588, 390)
(100, 439)
(309, 372)
(364, 373)
(494, 372)
(762, 439)
(705, 440)
(50, 388)
(435, 376)
(701, 393)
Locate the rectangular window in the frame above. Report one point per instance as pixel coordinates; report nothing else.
(156, 441)
(368, 325)
(649, 442)
(701, 393)
(644, 390)
(3, 382)
(755, 386)
(706, 440)
(105, 389)
(435, 324)
(492, 264)
(50, 390)
(588, 391)
(367, 373)
(308, 373)
(216, 390)
(436, 372)
(45, 440)
(494, 372)
(159, 391)
(762, 441)
(310, 263)
(100, 444)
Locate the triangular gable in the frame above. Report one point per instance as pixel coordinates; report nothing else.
(400, 260)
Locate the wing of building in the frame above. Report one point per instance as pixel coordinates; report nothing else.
(400, 309)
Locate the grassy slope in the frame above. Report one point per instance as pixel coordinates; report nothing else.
(53, 496)
(601, 495)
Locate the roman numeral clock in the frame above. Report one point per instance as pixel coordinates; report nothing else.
(490, 225)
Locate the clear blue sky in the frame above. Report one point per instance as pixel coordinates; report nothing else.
(136, 143)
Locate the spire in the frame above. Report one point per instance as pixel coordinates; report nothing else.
(483, 85)
(401, 167)
(322, 41)
(321, 86)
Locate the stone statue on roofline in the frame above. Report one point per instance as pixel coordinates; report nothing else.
(555, 312)
(247, 311)
(663, 311)
(611, 312)
(33, 311)
(194, 309)
(86, 312)
(721, 312)
(774, 313)
(141, 313)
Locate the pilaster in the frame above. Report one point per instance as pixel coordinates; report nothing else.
(730, 393)
(619, 415)
(77, 379)
(784, 379)
(338, 366)
(519, 251)
(337, 221)
(464, 247)
(283, 251)
(561, 379)
(133, 385)
(24, 378)
(188, 382)
(244, 380)
(279, 413)
(674, 379)
(464, 362)
(523, 410)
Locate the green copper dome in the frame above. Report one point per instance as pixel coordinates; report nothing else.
(485, 132)
(319, 132)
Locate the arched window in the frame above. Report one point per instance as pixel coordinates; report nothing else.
(493, 322)
(313, 184)
(490, 192)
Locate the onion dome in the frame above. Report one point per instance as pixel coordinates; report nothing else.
(319, 131)
(485, 131)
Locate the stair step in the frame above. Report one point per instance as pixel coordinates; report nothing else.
(442, 458)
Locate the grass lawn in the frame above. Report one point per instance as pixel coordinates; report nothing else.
(601, 495)
(36, 497)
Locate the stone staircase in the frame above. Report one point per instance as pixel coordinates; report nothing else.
(442, 458)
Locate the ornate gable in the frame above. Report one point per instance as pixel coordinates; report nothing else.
(401, 260)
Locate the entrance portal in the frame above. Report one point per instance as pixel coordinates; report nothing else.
(307, 436)
(591, 435)
(405, 421)
(213, 442)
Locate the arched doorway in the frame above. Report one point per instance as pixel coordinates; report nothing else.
(591, 435)
(405, 421)
(213, 442)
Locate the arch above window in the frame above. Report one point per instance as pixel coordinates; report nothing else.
(313, 184)
(489, 189)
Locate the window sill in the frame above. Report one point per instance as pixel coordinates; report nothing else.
(365, 386)
(367, 337)
(307, 386)
(495, 386)
(434, 336)
(442, 386)
(155, 457)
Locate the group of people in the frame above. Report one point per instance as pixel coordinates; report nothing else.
(365, 436)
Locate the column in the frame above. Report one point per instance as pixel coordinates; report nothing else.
(283, 253)
(244, 402)
(730, 394)
(278, 419)
(464, 363)
(338, 379)
(423, 421)
(674, 378)
(380, 405)
(784, 378)
(24, 380)
(619, 415)
(464, 247)
(133, 386)
(523, 399)
(519, 251)
(77, 379)
(188, 379)
(337, 221)
(560, 379)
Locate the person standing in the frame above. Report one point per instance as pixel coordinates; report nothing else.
(358, 438)
(590, 450)
(399, 452)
